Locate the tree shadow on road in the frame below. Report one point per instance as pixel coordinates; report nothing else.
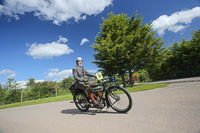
(89, 112)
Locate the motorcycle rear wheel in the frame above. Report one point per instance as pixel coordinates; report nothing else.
(80, 100)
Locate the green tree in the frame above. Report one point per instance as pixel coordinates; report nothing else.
(144, 49)
(109, 44)
(125, 44)
(13, 91)
(65, 84)
(194, 54)
(52, 88)
(2, 95)
(182, 60)
(30, 82)
(43, 89)
(13, 96)
(11, 84)
(27, 94)
(142, 76)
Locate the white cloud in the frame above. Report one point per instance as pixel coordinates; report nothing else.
(84, 17)
(10, 73)
(84, 40)
(176, 21)
(62, 39)
(1, 8)
(22, 84)
(52, 74)
(56, 10)
(49, 50)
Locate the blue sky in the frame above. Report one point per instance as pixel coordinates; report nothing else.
(41, 39)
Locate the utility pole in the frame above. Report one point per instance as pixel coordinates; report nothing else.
(56, 90)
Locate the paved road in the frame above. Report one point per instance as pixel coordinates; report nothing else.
(173, 109)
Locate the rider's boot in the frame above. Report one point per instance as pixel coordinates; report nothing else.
(92, 98)
(97, 104)
(99, 94)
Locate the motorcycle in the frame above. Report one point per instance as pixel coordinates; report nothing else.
(112, 95)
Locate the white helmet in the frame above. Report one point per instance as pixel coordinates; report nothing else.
(79, 59)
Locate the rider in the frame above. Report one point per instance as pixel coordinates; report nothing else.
(80, 74)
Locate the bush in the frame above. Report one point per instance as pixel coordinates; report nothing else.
(13, 96)
(142, 76)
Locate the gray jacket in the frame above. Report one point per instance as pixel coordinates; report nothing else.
(80, 74)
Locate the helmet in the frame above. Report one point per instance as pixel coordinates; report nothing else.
(79, 59)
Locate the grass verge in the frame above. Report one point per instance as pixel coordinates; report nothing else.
(134, 88)
(39, 101)
(143, 87)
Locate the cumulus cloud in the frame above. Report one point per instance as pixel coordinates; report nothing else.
(62, 39)
(1, 8)
(84, 40)
(10, 73)
(49, 50)
(55, 73)
(23, 84)
(56, 10)
(176, 21)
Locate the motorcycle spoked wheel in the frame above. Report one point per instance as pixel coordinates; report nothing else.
(81, 102)
(119, 99)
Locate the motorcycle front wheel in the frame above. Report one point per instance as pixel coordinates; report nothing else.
(119, 99)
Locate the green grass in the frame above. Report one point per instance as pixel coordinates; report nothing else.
(39, 101)
(144, 87)
(134, 88)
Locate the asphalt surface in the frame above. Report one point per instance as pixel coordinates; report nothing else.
(172, 109)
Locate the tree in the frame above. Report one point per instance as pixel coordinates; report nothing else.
(13, 96)
(43, 89)
(65, 84)
(13, 91)
(194, 54)
(125, 44)
(2, 95)
(30, 82)
(11, 84)
(182, 60)
(52, 87)
(144, 48)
